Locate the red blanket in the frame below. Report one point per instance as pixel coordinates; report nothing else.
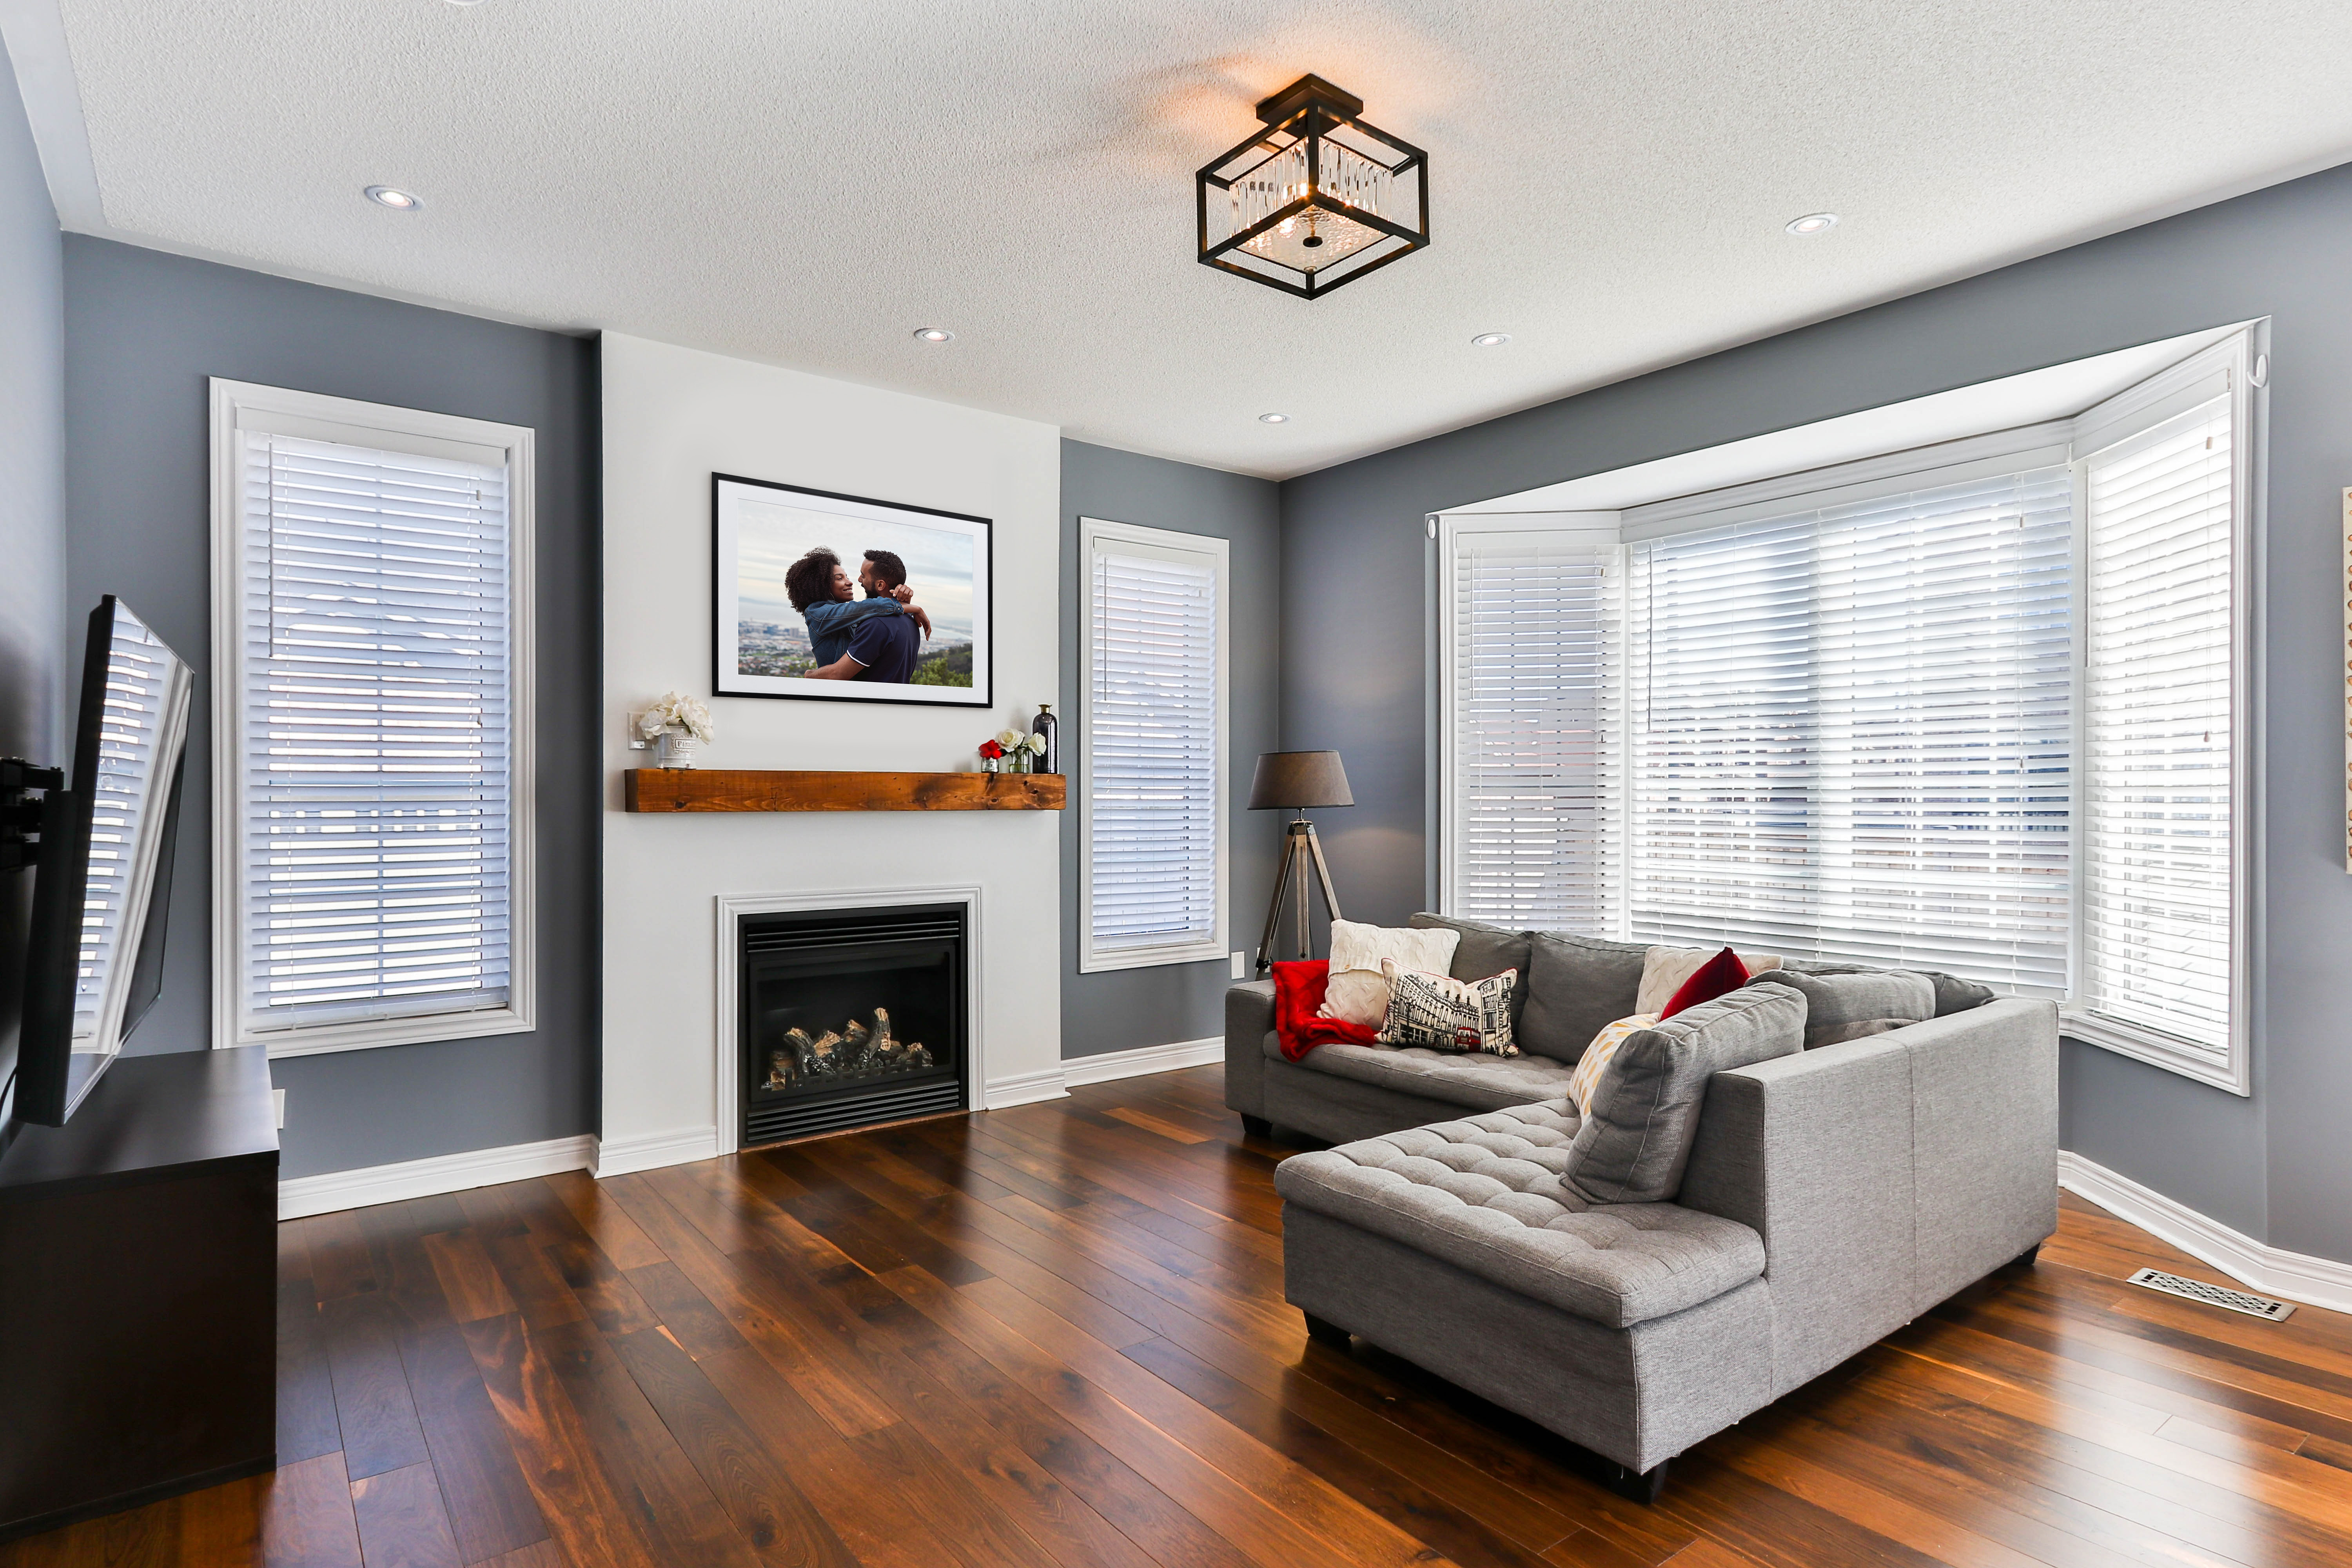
(1298, 991)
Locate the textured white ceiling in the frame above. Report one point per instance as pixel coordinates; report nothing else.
(806, 183)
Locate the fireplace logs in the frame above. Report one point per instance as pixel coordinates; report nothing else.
(857, 1051)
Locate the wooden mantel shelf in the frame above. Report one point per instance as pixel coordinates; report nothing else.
(725, 789)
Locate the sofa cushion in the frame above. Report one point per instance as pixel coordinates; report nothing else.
(1635, 1144)
(1842, 1007)
(1953, 995)
(1485, 1195)
(1484, 949)
(1480, 1081)
(1576, 985)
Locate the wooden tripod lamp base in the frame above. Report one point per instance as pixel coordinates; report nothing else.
(1300, 851)
(1298, 781)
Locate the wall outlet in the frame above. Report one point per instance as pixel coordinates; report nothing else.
(277, 1099)
(1241, 966)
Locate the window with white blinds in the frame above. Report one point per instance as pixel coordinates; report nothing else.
(2159, 846)
(1988, 718)
(1850, 731)
(1527, 837)
(376, 752)
(1153, 735)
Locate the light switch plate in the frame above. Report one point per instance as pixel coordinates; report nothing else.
(1241, 966)
(277, 1099)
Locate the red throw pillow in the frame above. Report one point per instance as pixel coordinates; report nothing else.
(1718, 975)
(1299, 990)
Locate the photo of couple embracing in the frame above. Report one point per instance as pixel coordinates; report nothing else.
(877, 637)
(841, 597)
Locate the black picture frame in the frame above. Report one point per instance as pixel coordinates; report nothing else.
(728, 679)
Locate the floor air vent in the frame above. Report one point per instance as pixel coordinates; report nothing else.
(2212, 1295)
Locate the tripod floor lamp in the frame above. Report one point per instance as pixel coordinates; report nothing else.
(1298, 781)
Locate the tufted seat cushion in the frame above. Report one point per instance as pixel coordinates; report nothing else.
(1485, 1196)
(1476, 1079)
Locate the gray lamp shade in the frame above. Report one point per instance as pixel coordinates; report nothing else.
(1297, 780)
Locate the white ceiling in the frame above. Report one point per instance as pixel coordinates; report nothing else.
(806, 183)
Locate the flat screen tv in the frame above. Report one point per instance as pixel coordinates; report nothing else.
(95, 958)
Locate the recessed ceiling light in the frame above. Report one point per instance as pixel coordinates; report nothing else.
(934, 335)
(1274, 418)
(1812, 223)
(399, 201)
(1490, 340)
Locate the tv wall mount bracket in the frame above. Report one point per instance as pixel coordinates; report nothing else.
(20, 816)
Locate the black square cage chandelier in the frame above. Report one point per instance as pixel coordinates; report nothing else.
(1317, 199)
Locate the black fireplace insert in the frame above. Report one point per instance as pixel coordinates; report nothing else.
(851, 1018)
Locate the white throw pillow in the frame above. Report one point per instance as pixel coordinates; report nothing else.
(1663, 969)
(1355, 945)
(1359, 993)
(1356, 997)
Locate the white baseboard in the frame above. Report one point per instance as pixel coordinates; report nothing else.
(2274, 1271)
(1023, 1089)
(1143, 1059)
(652, 1151)
(374, 1184)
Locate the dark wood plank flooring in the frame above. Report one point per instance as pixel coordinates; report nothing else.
(1055, 1335)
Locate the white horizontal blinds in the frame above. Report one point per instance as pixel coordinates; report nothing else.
(1532, 729)
(377, 733)
(1851, 732)
(140, 695)
(2156, 785)
(1153, 750)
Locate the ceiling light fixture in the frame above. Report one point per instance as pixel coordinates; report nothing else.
(1490, 340)
(1317, 199)
(1811, 224)
(398, 200)
(1274, 418)
(934, 335)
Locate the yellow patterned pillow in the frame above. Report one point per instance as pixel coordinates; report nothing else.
(1585, 1081)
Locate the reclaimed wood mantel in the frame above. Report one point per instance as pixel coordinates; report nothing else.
(728, 789)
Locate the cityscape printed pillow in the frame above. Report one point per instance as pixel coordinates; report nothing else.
(1448, 1015)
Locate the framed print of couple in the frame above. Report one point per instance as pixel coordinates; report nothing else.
(839, 597)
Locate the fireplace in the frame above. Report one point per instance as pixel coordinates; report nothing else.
(850, 1017)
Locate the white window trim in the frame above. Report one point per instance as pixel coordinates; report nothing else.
(2160, 397)
(2069, 440)
(241, 405)
(1092, 530)
(1593, 527)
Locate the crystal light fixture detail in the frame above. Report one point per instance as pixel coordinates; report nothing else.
(1317, 199)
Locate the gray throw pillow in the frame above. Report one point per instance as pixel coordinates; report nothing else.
(1841, 1007)
(1484, 951)
(1575, 984)
(1953, 995)
(1634, 1145)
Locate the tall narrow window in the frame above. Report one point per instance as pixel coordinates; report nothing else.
(370, 703)
(1153, 737)
(1527, 830)
(2157, 963)
(1851, 728)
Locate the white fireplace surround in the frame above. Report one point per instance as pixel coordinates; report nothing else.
(726, 1045)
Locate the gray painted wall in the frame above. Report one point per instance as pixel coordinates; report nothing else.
(32, 504)
(143, 330)
(1125, 1008)
(1357, 572)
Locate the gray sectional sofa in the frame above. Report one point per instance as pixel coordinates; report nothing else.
(1831, 1196)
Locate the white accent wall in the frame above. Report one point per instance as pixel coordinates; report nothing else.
(672, 417)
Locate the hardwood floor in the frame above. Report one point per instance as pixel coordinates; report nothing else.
(1055, 1335)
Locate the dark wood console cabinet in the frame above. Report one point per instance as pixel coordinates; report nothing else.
(138, 1291)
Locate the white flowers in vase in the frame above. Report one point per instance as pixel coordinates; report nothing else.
(679, 723)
